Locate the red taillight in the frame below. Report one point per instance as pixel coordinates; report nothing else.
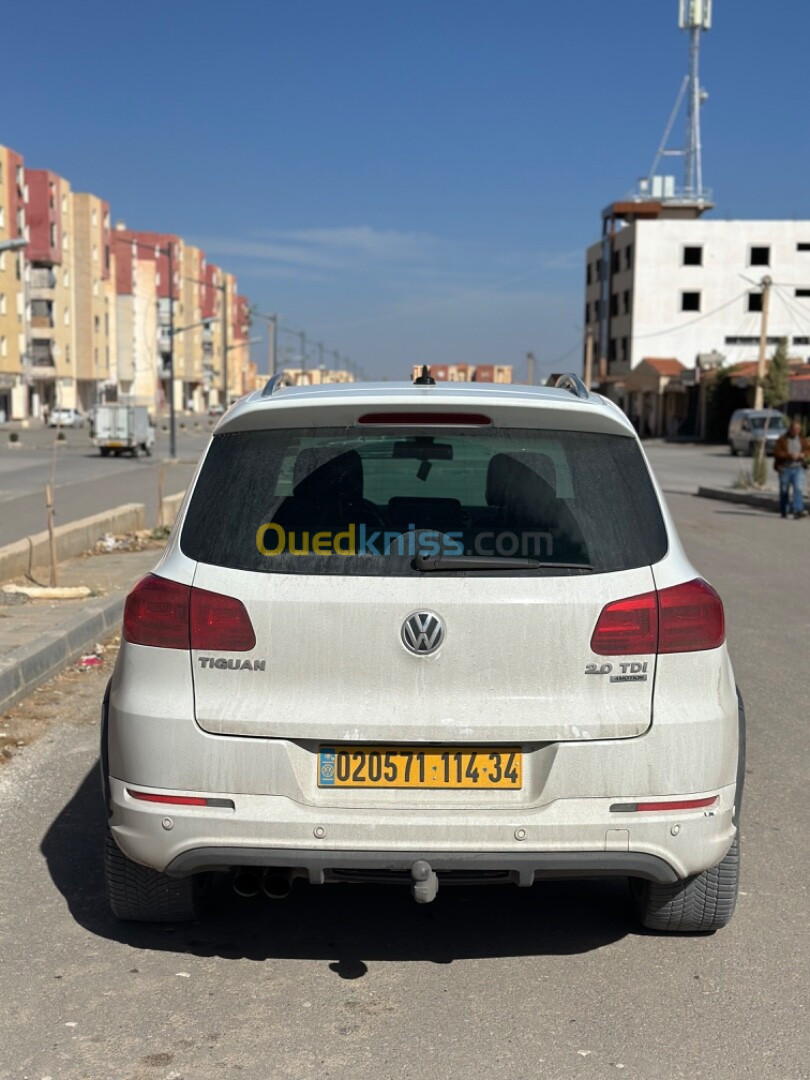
(683, 618)
(167, 615)
(663, 805)
(691, 618)
(627, 627)
(220, 623)
(170, 800)
(156, 613)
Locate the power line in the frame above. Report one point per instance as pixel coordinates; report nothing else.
(691, 322)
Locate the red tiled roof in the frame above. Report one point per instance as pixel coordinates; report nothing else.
(664, 366)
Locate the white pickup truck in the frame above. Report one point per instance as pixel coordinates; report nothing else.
(118, 429)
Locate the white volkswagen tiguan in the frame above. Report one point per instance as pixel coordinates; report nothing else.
(423, 634)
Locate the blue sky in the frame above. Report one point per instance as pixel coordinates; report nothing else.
(409, 182)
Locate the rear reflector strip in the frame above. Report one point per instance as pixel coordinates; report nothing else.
(181, 800)
(679, 804)
(426, 419)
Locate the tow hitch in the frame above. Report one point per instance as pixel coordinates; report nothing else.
(424, 883)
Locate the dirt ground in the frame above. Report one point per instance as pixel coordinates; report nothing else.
(71, 697)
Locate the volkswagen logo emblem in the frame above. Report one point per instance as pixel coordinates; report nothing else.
(422, 633)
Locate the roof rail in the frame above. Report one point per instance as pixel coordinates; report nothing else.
(573, 383)
(274, 384)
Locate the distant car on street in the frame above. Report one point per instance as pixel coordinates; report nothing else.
(216, 410)
(747, 427)
(66, 418)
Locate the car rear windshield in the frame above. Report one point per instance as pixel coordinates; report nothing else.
(361, 501)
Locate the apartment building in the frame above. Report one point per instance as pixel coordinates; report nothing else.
(136, 346)
(490, 373)
(50, 256)
(188, 342)
(94, 300)
(686, 286)
(13, 392)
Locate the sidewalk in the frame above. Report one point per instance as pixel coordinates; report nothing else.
(39, 637)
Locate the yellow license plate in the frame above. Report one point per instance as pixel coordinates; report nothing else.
(420, 767)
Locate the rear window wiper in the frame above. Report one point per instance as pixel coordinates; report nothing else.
(426, 563)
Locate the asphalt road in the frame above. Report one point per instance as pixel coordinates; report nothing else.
(552, 982)
(86, 483)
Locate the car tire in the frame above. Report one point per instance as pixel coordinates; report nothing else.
(134, 451)
(733, 449)
(140, 894)
(698, 905)
(104, 451)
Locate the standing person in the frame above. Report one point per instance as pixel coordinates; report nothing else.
(790, 457)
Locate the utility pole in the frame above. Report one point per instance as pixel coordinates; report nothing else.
(172, 430)
(303, 338)
(530, 368)
(224, 290)
(272, 340)
(759, 394)
(588, 357)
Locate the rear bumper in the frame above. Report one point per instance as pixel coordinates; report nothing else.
(520, 867)
(562, 838)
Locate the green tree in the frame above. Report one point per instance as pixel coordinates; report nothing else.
(775, 385)
(776, 394)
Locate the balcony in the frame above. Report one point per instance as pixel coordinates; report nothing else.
(42, 277)
(42, 322)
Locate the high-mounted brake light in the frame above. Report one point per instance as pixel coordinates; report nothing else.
(426, 419)
(683, 618)
(167, 615)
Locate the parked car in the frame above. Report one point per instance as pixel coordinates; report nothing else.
(423, 635)
(216, 410)
(71, 418)
(746, 430)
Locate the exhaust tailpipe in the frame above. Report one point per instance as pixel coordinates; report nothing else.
(247, 882)
(276, 886)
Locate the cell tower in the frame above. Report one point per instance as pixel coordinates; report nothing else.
(695, 16)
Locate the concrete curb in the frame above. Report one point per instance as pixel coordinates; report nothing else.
(31, 552)
(763, 500)
(26, 668)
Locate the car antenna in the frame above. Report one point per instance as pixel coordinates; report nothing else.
(424, 378)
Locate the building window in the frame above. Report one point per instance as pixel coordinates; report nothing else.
(1, 172)
(95, 217)
(588, 274)
(18, 172)
(21, 223)
(95, 252)
(693, 256)
(690, 301)
(627, 301)
(612, 350)
(2, 303)
(65, 278)
(628, 256)
(614, 262)
(755, 301)
(2, 260)
(801, 341)
(587, 314)
(64, 204)
(750, 340)
(803, 294)
(2, 217)
(3, 346)
(614, 305)
(803, 247)
(759, 256)
(64, 241)
(66, 317)
(96, 324)
(625, 348)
